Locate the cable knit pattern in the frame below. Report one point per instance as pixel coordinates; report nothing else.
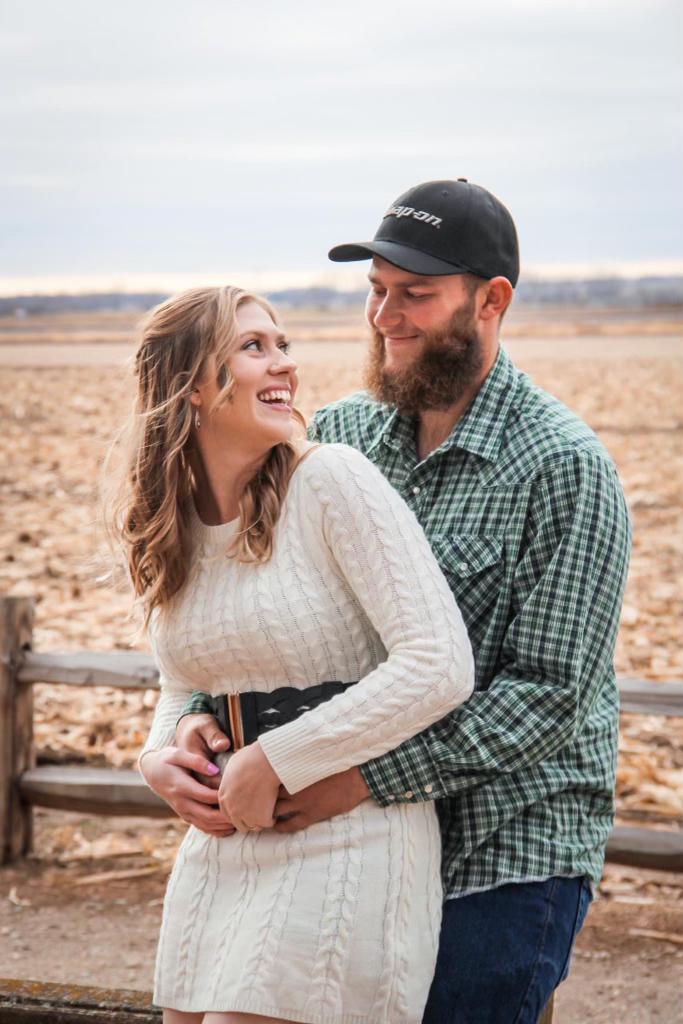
(231, 931)
(383, 996)
(340, 924)
(327, 971)
(265, 958)
(192, 925)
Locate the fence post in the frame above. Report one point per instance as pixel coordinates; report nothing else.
(16, 727)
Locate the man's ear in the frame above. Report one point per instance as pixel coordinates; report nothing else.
(497, 296)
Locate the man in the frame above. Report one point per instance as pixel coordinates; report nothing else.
(525, 514)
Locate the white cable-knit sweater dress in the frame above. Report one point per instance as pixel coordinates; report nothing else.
(339, 923)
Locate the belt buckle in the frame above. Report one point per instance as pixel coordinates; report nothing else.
(235, 719)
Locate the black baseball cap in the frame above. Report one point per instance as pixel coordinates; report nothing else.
(443, 227)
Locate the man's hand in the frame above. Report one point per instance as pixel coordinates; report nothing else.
(337, 794)
(169, 773)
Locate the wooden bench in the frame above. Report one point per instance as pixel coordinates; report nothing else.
(36, 1002)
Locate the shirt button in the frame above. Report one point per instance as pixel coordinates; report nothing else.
(408, 795)
(429, 788)
(391, 798)
(463, 566)
(416, 490)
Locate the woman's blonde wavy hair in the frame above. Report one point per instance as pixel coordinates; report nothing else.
(149, 513)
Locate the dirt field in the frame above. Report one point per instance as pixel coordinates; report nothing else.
(59, 923)
(65, 388)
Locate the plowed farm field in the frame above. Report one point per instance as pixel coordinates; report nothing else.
(66, 386)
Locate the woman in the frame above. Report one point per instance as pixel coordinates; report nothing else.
(263, 562)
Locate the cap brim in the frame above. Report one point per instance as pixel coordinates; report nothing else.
(401, 256)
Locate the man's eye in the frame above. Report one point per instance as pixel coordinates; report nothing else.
(417, 295)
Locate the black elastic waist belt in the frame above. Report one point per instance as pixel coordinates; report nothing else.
(244, 716)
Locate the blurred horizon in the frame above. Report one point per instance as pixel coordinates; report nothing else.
(341, 280)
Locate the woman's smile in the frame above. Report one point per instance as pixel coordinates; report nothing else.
(277, 398)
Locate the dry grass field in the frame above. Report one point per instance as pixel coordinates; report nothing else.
(65, 388)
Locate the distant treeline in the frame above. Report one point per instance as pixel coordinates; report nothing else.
(599, 292)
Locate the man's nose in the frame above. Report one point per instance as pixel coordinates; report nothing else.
(386, 314)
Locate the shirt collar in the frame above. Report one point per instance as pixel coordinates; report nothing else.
(481, 428)
(398, 433)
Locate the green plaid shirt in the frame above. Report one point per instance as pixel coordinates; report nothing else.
(526, 516)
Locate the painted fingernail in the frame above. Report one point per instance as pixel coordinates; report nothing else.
(212, 769)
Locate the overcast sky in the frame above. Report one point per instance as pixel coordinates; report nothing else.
(207, 136)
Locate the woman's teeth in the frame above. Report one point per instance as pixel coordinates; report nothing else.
(275, 396)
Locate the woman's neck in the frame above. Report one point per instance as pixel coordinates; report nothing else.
(220, 480)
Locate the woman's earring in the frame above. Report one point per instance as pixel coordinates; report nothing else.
(197, 421)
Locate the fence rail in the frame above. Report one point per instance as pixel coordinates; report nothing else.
(130, 670)
(122, 792)
(36, 1002)
(135, 670)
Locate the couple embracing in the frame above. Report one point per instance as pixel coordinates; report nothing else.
(394, 636)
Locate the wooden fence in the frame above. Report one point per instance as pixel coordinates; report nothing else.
(23, 785)
(39, 1002)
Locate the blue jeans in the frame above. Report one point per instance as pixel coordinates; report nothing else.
(503, 952)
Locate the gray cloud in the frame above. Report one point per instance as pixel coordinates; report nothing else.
(194, 136)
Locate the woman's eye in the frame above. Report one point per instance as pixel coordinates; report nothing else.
(251, 343)
(285, 346)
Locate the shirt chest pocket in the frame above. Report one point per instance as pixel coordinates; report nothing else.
(474, 567)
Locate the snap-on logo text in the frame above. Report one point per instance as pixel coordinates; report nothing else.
(410, 211)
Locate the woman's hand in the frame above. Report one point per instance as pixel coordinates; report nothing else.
(249, 789)
(169, 773)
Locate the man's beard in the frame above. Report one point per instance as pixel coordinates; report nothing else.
(445, 369)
